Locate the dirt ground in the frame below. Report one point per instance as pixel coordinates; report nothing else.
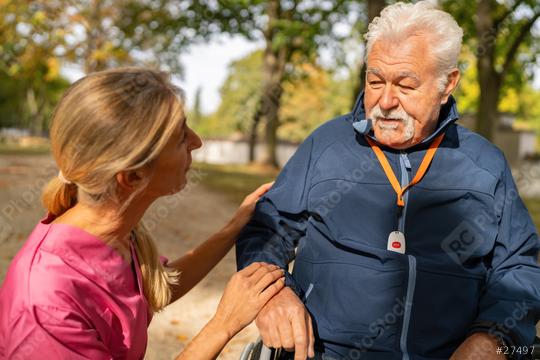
(179, 223)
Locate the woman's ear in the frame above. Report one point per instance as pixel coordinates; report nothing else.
(130, 180)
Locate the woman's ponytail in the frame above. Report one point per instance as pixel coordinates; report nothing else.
(58, 197)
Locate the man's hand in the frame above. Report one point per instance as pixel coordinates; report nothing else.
(478, 346)
(285, 323)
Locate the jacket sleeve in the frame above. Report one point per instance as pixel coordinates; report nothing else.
(510, 305)
(279, 220)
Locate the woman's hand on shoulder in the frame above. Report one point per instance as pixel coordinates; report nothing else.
(246, 208)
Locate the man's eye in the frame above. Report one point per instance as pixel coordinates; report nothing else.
(406, 87)
(375, 83)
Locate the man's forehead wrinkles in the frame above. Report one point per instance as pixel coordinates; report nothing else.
(394, 61)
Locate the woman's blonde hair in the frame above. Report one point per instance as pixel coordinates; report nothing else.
(108, 122)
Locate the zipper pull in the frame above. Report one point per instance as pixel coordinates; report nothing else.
(406, 161)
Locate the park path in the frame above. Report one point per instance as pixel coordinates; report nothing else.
(179, 223)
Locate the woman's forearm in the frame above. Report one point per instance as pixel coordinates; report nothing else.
(207, 344)
(197, 263)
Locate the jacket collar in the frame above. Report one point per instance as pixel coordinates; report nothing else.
(447, 116)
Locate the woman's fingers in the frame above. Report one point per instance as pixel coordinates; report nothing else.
(246, 208)
(255, 277)
(268, 279)
(241, 300)
(251, 269)
(261, 190)
(272, 290)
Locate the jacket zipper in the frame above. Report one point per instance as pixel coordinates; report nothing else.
(405, 167)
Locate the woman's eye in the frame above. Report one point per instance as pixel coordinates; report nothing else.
(183, 138)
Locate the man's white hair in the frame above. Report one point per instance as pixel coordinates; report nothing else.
(400, 21)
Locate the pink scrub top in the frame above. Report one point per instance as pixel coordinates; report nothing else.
(68, 295)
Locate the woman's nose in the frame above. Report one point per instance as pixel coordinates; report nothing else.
(196, 141)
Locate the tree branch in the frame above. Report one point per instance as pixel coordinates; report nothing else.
(498, 21)
(512, 51)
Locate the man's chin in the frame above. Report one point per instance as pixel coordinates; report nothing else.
(393, 139)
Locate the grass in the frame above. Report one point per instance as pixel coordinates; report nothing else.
(12, 149)
(236, 181)
(239, 180)
(534, 208)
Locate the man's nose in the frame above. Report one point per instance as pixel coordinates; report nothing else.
(388, 100)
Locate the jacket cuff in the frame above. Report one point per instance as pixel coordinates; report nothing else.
(291, 283)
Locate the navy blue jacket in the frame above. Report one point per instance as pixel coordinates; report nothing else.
(471, 246)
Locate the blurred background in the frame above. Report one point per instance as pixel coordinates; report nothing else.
(259, 77)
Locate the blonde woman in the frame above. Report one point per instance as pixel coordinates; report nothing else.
(89, 278)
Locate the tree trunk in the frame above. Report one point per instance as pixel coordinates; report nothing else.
(489, 79)
(270, 103)
(96, 39)
(272, 123)
(253, 134)
(35, 109)
(374, 8)
(274, 62)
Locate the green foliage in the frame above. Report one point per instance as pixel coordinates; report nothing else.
(311, 100)
(38, 37)
(311, 97)
(510, 21)
(520, 99)
(299, 24)
(29, 69)
(240, 94)
(19, 108)
(533, 205)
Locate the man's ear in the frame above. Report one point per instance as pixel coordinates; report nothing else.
(130, 180)
(451, 85)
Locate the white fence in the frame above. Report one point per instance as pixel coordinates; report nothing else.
(237, 152)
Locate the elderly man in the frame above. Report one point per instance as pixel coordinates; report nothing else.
(411, 240)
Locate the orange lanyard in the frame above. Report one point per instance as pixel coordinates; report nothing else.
(422, 170)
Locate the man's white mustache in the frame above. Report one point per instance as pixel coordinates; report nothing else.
(378, 115)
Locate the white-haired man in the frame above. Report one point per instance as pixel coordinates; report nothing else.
(411, 239)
